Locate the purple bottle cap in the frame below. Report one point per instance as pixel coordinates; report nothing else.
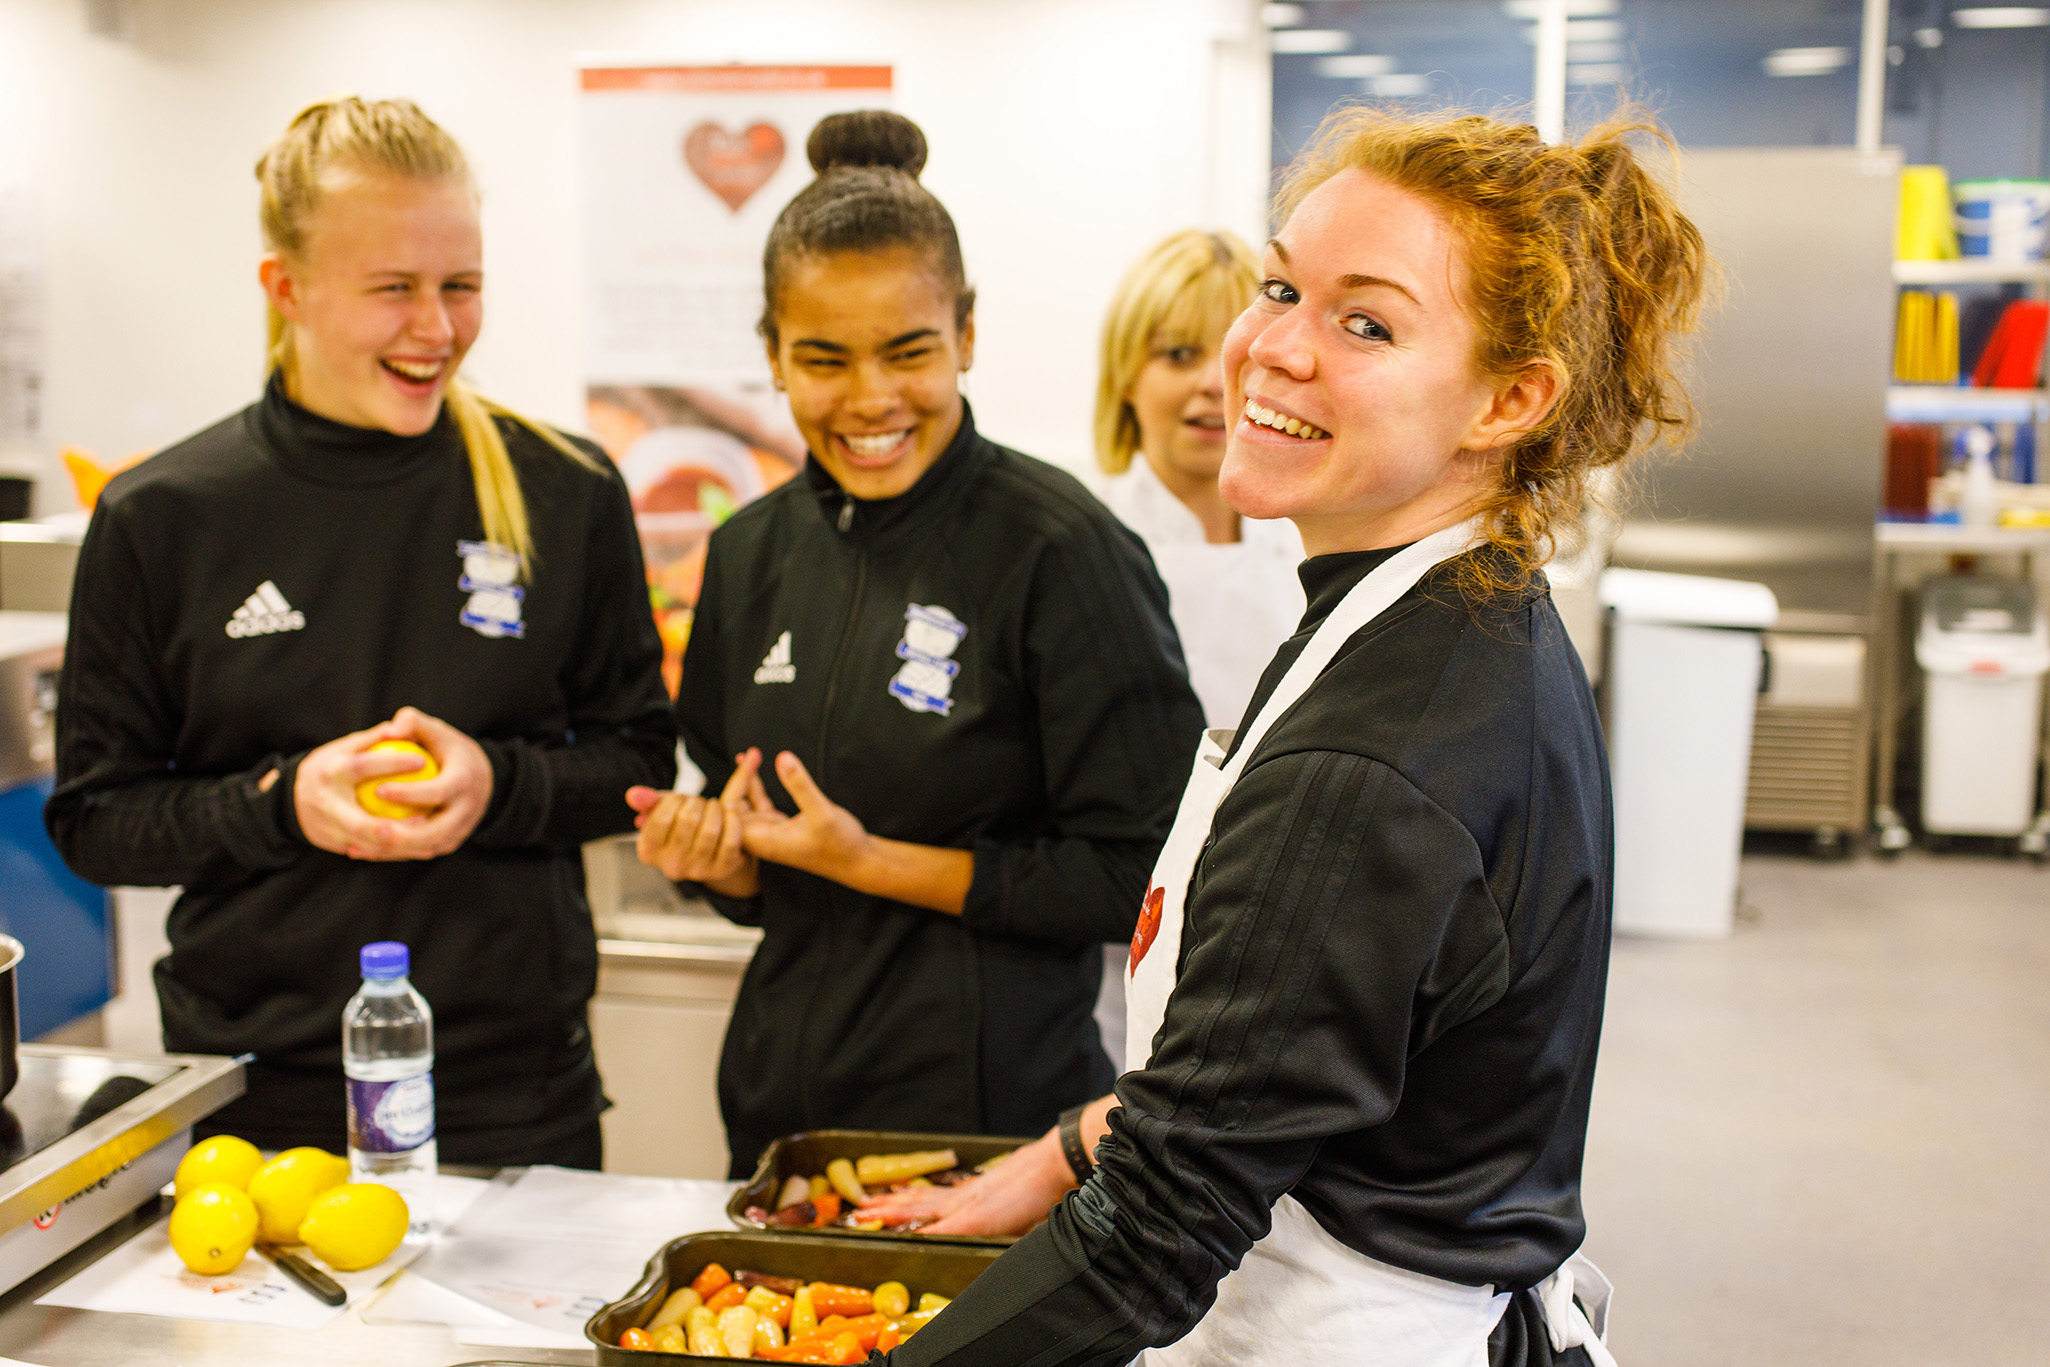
(385, 959)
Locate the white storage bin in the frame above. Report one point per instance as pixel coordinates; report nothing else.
(1983, 647)
(1683, 669)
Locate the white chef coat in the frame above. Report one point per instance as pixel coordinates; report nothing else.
(1233, 605)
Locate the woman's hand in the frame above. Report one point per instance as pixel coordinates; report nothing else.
(823, 838)
(324, 792)
(1010, 1198)
(698, 840)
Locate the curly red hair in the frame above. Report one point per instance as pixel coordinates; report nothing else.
(1579, 257)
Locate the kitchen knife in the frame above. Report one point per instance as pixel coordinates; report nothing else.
(311, 1279)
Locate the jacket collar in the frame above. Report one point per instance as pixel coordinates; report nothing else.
(866, 519)
(329, 452)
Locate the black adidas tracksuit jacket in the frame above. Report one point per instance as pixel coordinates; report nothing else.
(984, 663)
(280, 580)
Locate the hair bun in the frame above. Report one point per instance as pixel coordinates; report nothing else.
(866, 137)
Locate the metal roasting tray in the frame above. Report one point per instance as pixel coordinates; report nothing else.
(806, 1155)
(930, 1266)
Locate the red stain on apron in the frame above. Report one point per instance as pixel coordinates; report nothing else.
(1149, 925)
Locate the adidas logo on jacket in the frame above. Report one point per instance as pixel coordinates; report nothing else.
(264, 612)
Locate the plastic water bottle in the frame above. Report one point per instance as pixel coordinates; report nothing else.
(388, 1054)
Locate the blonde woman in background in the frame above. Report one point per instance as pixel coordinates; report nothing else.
(370, 552)
(1160, 432)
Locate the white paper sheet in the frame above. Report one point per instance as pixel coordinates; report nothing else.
(552, 1245)
(144, 1277)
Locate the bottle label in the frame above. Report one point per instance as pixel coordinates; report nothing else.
(391, 1117)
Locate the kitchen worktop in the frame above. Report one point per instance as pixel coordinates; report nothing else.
(57, 1337)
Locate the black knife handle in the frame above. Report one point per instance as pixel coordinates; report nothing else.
(318, 1284)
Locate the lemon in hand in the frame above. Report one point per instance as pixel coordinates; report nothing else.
(212, 1227)
(223, 1158)
(366, 791)
(284, 1187)
(354, 1226)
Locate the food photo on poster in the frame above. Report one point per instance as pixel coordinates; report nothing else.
(684, 168)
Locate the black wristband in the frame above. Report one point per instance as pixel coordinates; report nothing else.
(1076, 1152)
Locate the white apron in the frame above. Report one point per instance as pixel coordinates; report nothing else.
(1300, 1296)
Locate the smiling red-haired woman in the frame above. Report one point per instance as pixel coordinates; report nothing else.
(1365, 1026)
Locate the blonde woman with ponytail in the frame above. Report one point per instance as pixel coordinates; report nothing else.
(371, 553)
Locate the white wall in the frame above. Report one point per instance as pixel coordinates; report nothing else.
(1066, 136)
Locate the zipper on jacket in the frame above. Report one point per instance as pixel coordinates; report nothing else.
(847, 634)
(823, 777)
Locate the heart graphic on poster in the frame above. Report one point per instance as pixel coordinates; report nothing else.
(733, 165)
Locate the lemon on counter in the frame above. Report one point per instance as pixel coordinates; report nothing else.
(351, 1227)
(286, 1186)
(223, 1158)
(212, 1228)
(366, 791)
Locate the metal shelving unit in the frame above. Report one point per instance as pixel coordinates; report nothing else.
(1948, 404)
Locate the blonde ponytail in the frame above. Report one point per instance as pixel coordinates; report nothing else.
(348, 133)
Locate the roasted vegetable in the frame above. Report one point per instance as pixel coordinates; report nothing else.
(885, 1169)
(679, 1304)
(892, 1299)
(701, 1331)
(710, 1280)
(850, 1301)
(636, 1339)
(768, 1335)
(804, 1315)
(785, 1286)
(840, 1173)
(795, 1190)
(737, 1330)
(770, 1305)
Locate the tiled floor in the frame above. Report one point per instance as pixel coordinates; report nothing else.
(1825, 1140)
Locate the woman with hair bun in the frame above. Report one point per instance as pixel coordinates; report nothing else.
(937, 698)
(1367, 993)
(372, 552)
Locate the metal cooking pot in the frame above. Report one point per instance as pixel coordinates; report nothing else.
(10, 1014)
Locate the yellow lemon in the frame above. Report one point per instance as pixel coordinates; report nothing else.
(223, 1158)
(284, 1187)
(212, 1227)
(366, 791)
(356, 1225)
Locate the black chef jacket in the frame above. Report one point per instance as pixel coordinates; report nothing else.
(1389, 997)
(986, 663)
(279, 580)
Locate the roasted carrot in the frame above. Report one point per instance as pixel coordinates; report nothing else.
(710, 1280)
(841, 1352)
(827, 1206)
(771, 1304)
(866, 1329)
(726, 1297)
(829, 1299)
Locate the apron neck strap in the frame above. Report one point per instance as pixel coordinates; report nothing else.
(1364, 602)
